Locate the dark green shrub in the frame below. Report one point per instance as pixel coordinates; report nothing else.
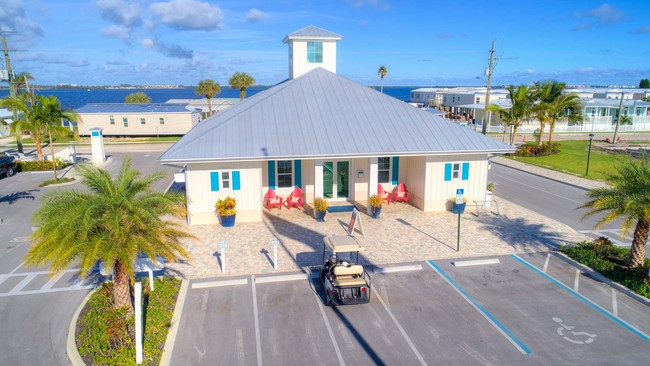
(533, 149)
(56, 181)
(32, 166)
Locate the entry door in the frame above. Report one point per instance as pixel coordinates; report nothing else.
(336, 180)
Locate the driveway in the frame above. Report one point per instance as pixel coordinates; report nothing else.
(514, 312)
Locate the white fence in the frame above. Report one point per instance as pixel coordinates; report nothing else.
(564, 127)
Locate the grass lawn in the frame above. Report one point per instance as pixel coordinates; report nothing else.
(572, 159)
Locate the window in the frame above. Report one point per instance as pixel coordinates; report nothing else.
(455, 171)
(285, 173)
(125, 121)
(111, 119)
(383, 170)
(478, 100)
(162, 121)
(142, 121)
(314, 52)
(225, 180)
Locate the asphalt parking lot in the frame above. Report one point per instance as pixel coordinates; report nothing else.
(520, 311)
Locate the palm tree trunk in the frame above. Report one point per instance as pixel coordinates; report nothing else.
(209, 107)
(637, 251)
(551, 128)
(381, 83)
(541, 132)
(39, 148)
(242, 92)
(514, 134)
(121, 287)
(52, 155)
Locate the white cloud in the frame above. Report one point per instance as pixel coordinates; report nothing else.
(603, 15)
(256, 15)
(120, 12)
(642, 30)
(116, 31)
(378, 4)
(188, 15)
(14, 19)
(172, 50)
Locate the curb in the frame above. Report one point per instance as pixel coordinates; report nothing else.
(541, 175)
(73, 352)
(599, 277)
(166, 356)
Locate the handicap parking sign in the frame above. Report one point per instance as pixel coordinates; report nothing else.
(460, 193)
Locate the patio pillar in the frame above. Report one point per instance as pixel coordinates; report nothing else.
(373, 177)
(318, 178)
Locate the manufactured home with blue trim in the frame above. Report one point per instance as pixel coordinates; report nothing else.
(331, 137)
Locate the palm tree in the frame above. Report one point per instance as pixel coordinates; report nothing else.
(22, 79)
(24, 104)
(241, 81)
(382, 74)
(554, 105)
(112, 221)
(47, 116)
(138, 97)
(626, 119)
(521, 98)
(209, 89)
(629, 198)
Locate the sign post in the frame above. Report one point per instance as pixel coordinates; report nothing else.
(223, 246)
(274, 243)
(138, 322)
(460, 197)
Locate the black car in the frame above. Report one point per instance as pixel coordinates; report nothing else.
(7, 165)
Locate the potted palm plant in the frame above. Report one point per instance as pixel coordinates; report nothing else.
(226, 211)
(320, 208)
(458, 207)
(375, 205)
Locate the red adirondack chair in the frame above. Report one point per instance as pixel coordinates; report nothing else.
(401, 194)
(295, 199)
(385, 195)
(272, 200)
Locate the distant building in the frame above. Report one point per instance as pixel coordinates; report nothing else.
(138, 119)
(217, 104)
(429, 97)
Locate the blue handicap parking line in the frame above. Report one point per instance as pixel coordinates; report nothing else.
(592, 304)
(511, 337)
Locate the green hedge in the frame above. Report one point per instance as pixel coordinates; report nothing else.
(32, 166)
(609, 260)
(534, 149)
(105, 335)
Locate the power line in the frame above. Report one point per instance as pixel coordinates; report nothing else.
(487, 92)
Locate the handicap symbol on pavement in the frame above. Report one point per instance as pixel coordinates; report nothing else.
(585, 337)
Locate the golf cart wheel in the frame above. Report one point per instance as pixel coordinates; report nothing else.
(328, 299)
(10, 171)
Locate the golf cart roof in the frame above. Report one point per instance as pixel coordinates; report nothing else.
(341, 244)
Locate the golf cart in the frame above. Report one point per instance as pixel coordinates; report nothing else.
(344, 280)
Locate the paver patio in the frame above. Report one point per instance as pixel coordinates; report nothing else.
(402, 234)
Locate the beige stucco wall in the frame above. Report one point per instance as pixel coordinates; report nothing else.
(438, 192)
(175, 123)
(201, 199)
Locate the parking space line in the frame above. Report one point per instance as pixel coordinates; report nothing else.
(329, 329)
(548, 259)
(399, 326)
(576, 281)
(519, 345)
(614, 303)
(584, 299)
(257, 323)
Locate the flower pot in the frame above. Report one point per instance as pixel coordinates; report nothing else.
(375, 211)
(227, 221)
(320, 216)
(459, 207)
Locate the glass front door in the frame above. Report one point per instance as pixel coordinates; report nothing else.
(336, 180)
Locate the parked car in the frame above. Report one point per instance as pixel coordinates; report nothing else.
(7, 165)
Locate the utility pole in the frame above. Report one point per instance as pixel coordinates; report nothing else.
(618, 120)
(12, 93)
(487, 93)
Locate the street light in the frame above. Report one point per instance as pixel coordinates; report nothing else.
(591, 138)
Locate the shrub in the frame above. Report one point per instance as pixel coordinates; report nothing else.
(320, 204)
(226, 206)
(374, 201)
(538, 150)
(56, 181)
(31, 166)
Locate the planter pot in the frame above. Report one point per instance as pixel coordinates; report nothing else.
(227, 221)
(320, 216)
(375, 211)
(459, 207)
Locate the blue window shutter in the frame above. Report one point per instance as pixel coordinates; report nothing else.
(447, 172)
(235, 180)
(272, 174)
(465, 171)
(395, 169)
(214, 181)
(297, 165)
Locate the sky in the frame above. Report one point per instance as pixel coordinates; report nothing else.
(421, 43)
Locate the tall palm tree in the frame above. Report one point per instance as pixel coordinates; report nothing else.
(521, 98)
(209, 89)
(47, 115)
(553, 105)
(241, 81)
(112, 221)
(22, 79)
(23, 104)
(382, 74)
(629, 198)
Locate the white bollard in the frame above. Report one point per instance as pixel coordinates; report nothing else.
(138, 322)
(223, 246)
(274, 243)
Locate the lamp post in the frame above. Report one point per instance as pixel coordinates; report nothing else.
(591, 138)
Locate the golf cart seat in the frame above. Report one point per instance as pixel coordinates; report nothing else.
(342, 282)
(348, 271)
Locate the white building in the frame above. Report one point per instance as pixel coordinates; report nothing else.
(311, 48)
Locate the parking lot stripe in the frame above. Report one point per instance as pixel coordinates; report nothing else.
(329, 330)
(614, 303)
(242, 281)
(399, 326)
(584, 299)
(548, 258)
(486, 314)
(257, 323)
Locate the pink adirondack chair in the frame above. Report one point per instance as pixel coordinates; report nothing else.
(401, 193)
(385, 195)
(295, 199)
(272, 200)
